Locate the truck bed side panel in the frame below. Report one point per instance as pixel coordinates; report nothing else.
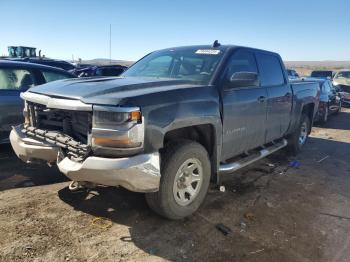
(304, 93)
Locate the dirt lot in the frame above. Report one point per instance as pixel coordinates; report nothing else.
(276, 213)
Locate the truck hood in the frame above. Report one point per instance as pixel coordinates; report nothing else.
(108, 90)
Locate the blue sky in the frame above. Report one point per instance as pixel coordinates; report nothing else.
(298, 30)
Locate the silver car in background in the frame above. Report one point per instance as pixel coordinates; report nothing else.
(17, 77)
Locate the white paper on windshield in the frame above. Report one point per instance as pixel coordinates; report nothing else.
(208, 52)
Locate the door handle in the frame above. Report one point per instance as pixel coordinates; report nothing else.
(261, 99)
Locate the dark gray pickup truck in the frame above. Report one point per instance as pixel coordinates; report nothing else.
(175, 120)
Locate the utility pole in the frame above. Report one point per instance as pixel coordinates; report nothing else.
(110, 43)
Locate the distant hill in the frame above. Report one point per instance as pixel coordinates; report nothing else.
(106, 61)
(319, 64)
(304, 68)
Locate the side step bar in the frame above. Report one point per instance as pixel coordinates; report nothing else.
(231, 167)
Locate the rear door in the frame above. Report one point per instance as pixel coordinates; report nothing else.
(244, 109)
(13, 81)
(279, 93)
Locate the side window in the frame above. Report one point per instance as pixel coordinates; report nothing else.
(53, 76)
(270, 70)
(242, 61)
(15, 79)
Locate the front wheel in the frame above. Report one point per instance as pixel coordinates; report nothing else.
(300, 135)
(185, 177)
(339, 109)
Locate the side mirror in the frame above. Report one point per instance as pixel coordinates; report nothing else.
(243, 79)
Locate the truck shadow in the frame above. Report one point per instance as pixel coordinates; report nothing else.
(339, 121)
(196, 237)
(14, 173)
(171, 240)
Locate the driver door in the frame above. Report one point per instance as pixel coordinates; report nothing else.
(244, 108)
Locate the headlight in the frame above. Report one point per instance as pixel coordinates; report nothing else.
(111, 117)
(117, 128)
(26, 114)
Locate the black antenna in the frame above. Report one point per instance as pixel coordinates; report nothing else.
(216, 43)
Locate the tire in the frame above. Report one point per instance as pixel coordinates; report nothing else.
(294, 142)
(338, 110)
(172, 200)
(324, 118)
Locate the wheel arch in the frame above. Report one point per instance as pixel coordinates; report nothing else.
(309, 110)
(204, 134)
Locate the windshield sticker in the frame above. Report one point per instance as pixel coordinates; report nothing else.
(208, 52)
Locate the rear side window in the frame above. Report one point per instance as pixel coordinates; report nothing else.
(271, 73)
(53, 76)
(15, 79)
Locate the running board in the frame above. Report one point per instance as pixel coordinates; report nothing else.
(231, 167)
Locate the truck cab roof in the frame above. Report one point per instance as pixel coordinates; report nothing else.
(223, 48)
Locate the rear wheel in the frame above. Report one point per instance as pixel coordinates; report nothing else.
(185, 177)
(300, 135)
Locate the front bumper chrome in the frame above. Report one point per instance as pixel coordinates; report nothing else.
(29, 150)
(140, 173)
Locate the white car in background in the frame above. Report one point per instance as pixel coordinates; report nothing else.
(292, 74)
(341, 82)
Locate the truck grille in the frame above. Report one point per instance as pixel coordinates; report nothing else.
(65, 128)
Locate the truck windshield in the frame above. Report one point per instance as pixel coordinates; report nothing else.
(324, 74)
(343, 74)
(196, 65)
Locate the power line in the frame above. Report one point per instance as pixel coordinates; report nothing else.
(110, 43)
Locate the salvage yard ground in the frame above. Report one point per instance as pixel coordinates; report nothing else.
(275, 212)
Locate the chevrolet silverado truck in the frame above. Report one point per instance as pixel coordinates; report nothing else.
(174, 121)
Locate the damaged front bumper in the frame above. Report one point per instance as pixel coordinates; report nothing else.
(140, 173)
(31, 150)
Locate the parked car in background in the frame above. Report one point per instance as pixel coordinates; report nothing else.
(325, 74)
(46, 61)
(292, 74)
(105, 70)
(341, 82)
(330, 99)
(17, 77)
(175, 120)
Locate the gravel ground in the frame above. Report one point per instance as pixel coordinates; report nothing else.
(275, 212)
